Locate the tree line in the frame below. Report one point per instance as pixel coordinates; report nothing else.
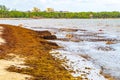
(7, 13)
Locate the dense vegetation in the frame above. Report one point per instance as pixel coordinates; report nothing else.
(6, 13)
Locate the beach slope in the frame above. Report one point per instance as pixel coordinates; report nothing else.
(25, 53)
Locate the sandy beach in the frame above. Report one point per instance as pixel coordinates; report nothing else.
(25, 55)
(4, 64)
(85, 50)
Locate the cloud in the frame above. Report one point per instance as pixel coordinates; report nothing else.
(71, 5)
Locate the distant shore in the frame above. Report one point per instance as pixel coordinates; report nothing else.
(49, 18)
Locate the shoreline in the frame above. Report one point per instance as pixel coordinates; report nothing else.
(16, 69)
(75, 47)
(32, 46)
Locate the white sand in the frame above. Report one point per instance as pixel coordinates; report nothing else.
(5, 75)
(16, 61)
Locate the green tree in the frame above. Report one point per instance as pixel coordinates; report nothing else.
(4, 11)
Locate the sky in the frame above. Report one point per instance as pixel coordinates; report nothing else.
(64, 5)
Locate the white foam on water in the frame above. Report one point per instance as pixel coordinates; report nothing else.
(101, 54)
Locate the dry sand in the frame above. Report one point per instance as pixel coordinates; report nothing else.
(6, 75)
(1, 39)
(16, 61)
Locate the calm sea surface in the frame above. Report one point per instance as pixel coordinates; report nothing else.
(76, 23)
(91, 24)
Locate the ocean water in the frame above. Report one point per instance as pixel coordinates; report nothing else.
(85, 44)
